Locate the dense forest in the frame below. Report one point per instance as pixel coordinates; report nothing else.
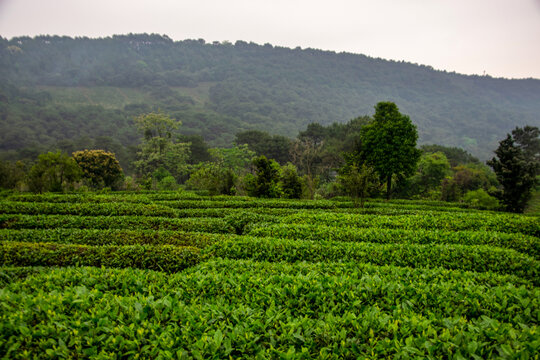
(71, 93)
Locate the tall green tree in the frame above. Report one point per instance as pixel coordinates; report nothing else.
(515, 173)
(158, 150)
(389, 144)
(266, 180)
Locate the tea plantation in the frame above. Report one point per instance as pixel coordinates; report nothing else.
(175, 275)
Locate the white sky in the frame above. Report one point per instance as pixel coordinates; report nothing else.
(500, 37)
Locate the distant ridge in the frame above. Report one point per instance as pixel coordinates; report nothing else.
(218, 89)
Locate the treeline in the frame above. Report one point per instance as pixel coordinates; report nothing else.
(366, 157)
(32, 122)
(244, 86)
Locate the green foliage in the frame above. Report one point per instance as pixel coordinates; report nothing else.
(158, 149)
(389, 143)
(307, 156)
(357, 180)
(237, 158)
(160, 174)
(157, 257)
(381, 311)
(515, 173)
(431, 179)
(455, 156)
(442, 220)
(157, 127)
(528, 140)
(317, 151)
(168, 183)
(467, 258)
(265, 182)
(480, 199)
(91, 209)
(239, 221)
(210, 225)
(214, 177)
(119, 237)
(161, 180)
(450, 190)
(175, 159)
(221, 176)
(271, 278)
(432, 169)
(533, 206)
(12, 174)
(130, 184)
(99, 167)
(526, 244)
(198, 148)
(291, 183)
(473, 177)
(33, 123)
(53, 172)
(273, 147)
(336, 137)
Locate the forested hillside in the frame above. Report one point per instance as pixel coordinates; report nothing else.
(59, 89)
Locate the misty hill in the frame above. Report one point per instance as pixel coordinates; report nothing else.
(57, 88)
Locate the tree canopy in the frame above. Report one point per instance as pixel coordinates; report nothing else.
(515, 170)
(158, 148)
(99, 167)
(528, 140)
(53, 172)
(389, 143)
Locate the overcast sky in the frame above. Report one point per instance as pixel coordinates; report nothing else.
(500, 37)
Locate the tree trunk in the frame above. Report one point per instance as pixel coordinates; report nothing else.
(388, 187)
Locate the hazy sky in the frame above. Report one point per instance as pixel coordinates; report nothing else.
(500, 37)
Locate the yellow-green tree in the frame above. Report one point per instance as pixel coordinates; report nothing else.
(99, 167)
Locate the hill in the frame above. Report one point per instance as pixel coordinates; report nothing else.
(60, 88)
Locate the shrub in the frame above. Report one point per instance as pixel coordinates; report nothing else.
(480, 199)
(291, 184)
(167, 183)
(156, 257)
